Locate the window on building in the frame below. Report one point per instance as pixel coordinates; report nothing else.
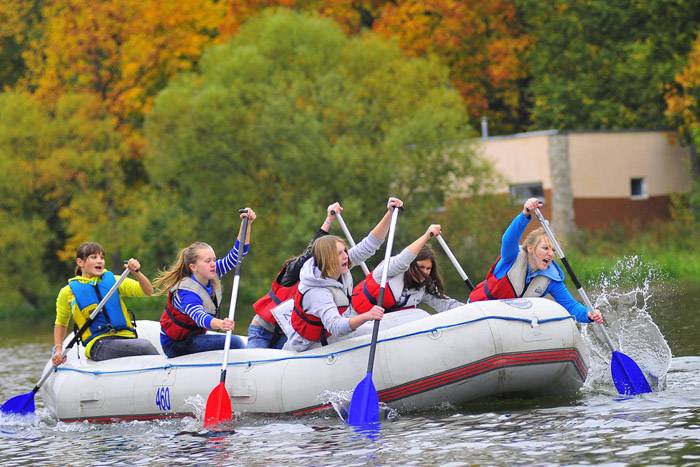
(521, 192)
(638, 188)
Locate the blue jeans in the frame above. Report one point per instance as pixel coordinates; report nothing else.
(200, 343)
(261, 338)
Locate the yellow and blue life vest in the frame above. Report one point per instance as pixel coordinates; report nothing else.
(114, 315)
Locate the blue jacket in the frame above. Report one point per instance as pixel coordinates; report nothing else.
(556, 287)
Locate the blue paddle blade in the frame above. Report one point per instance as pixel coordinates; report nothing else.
(22, 404)
(364, 405)
(627, 376)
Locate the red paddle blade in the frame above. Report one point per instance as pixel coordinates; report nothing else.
(218, 408)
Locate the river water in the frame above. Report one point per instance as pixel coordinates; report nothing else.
(596, 427)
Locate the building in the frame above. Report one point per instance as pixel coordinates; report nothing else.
(592, 179)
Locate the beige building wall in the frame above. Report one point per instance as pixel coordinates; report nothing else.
(602, 164)
(521, 158)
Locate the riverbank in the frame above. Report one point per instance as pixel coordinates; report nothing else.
(669, 249)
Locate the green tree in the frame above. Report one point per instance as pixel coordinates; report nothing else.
(19, 23)
(66, 186)
(602, 65)
(293, 115)
(24, 230)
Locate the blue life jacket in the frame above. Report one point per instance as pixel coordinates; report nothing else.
(113, 317)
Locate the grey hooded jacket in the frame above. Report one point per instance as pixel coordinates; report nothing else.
(321, 293)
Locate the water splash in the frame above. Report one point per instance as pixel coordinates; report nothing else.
(340, 401)
(198, 405)
(624, 297)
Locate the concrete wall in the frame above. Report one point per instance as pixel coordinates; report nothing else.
(600, 166)
(603, 163)
(521, 158)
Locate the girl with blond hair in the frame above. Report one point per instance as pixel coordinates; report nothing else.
(529, 270)
(194, 298)
(322, 300)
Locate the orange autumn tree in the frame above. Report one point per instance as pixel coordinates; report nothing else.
(683, 104)
(481, 41)
(124, 51)
(118, 55)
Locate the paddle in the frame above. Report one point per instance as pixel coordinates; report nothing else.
(626, 374)
(364, 405)
(24, 403)
(455, 263)
(218, 407)
(344, 227)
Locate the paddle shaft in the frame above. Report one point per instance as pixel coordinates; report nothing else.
(455, 263)
(86, 325)
(545, 225)
(234, 295)
(345, 230)
(382, 286)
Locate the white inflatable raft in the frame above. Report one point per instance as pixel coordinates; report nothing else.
(523, 346)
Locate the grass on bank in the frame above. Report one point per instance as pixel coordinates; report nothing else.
(669, 247)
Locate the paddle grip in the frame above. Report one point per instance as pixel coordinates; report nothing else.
(348, 236)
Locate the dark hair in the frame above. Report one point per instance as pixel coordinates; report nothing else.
(85, 250)
(413, 279)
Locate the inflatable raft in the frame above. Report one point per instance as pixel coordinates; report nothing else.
(521, 346)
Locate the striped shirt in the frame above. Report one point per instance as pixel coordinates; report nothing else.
(189, 302)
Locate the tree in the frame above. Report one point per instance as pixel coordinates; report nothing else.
(683, 101)
(67, 186)
(123, 51)
(24, 230)
(605, 65)
(18, 24)
(292, 115)
(481, 42)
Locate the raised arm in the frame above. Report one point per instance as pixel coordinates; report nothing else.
(382, 228)
(401, 262)
(145, 283)
(251, 218)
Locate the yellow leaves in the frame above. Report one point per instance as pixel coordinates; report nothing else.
(121, 50)
(682, 101)
(12, 17)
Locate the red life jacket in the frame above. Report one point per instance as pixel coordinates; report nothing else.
(176, 324)
(308, 326)
(276, 295)
(366, 293)
(512, 284)
(492, 288)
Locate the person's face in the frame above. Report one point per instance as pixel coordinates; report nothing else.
(541, 255)
(92, 266)
(204, 268)
(425, 266)
(343, 258)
